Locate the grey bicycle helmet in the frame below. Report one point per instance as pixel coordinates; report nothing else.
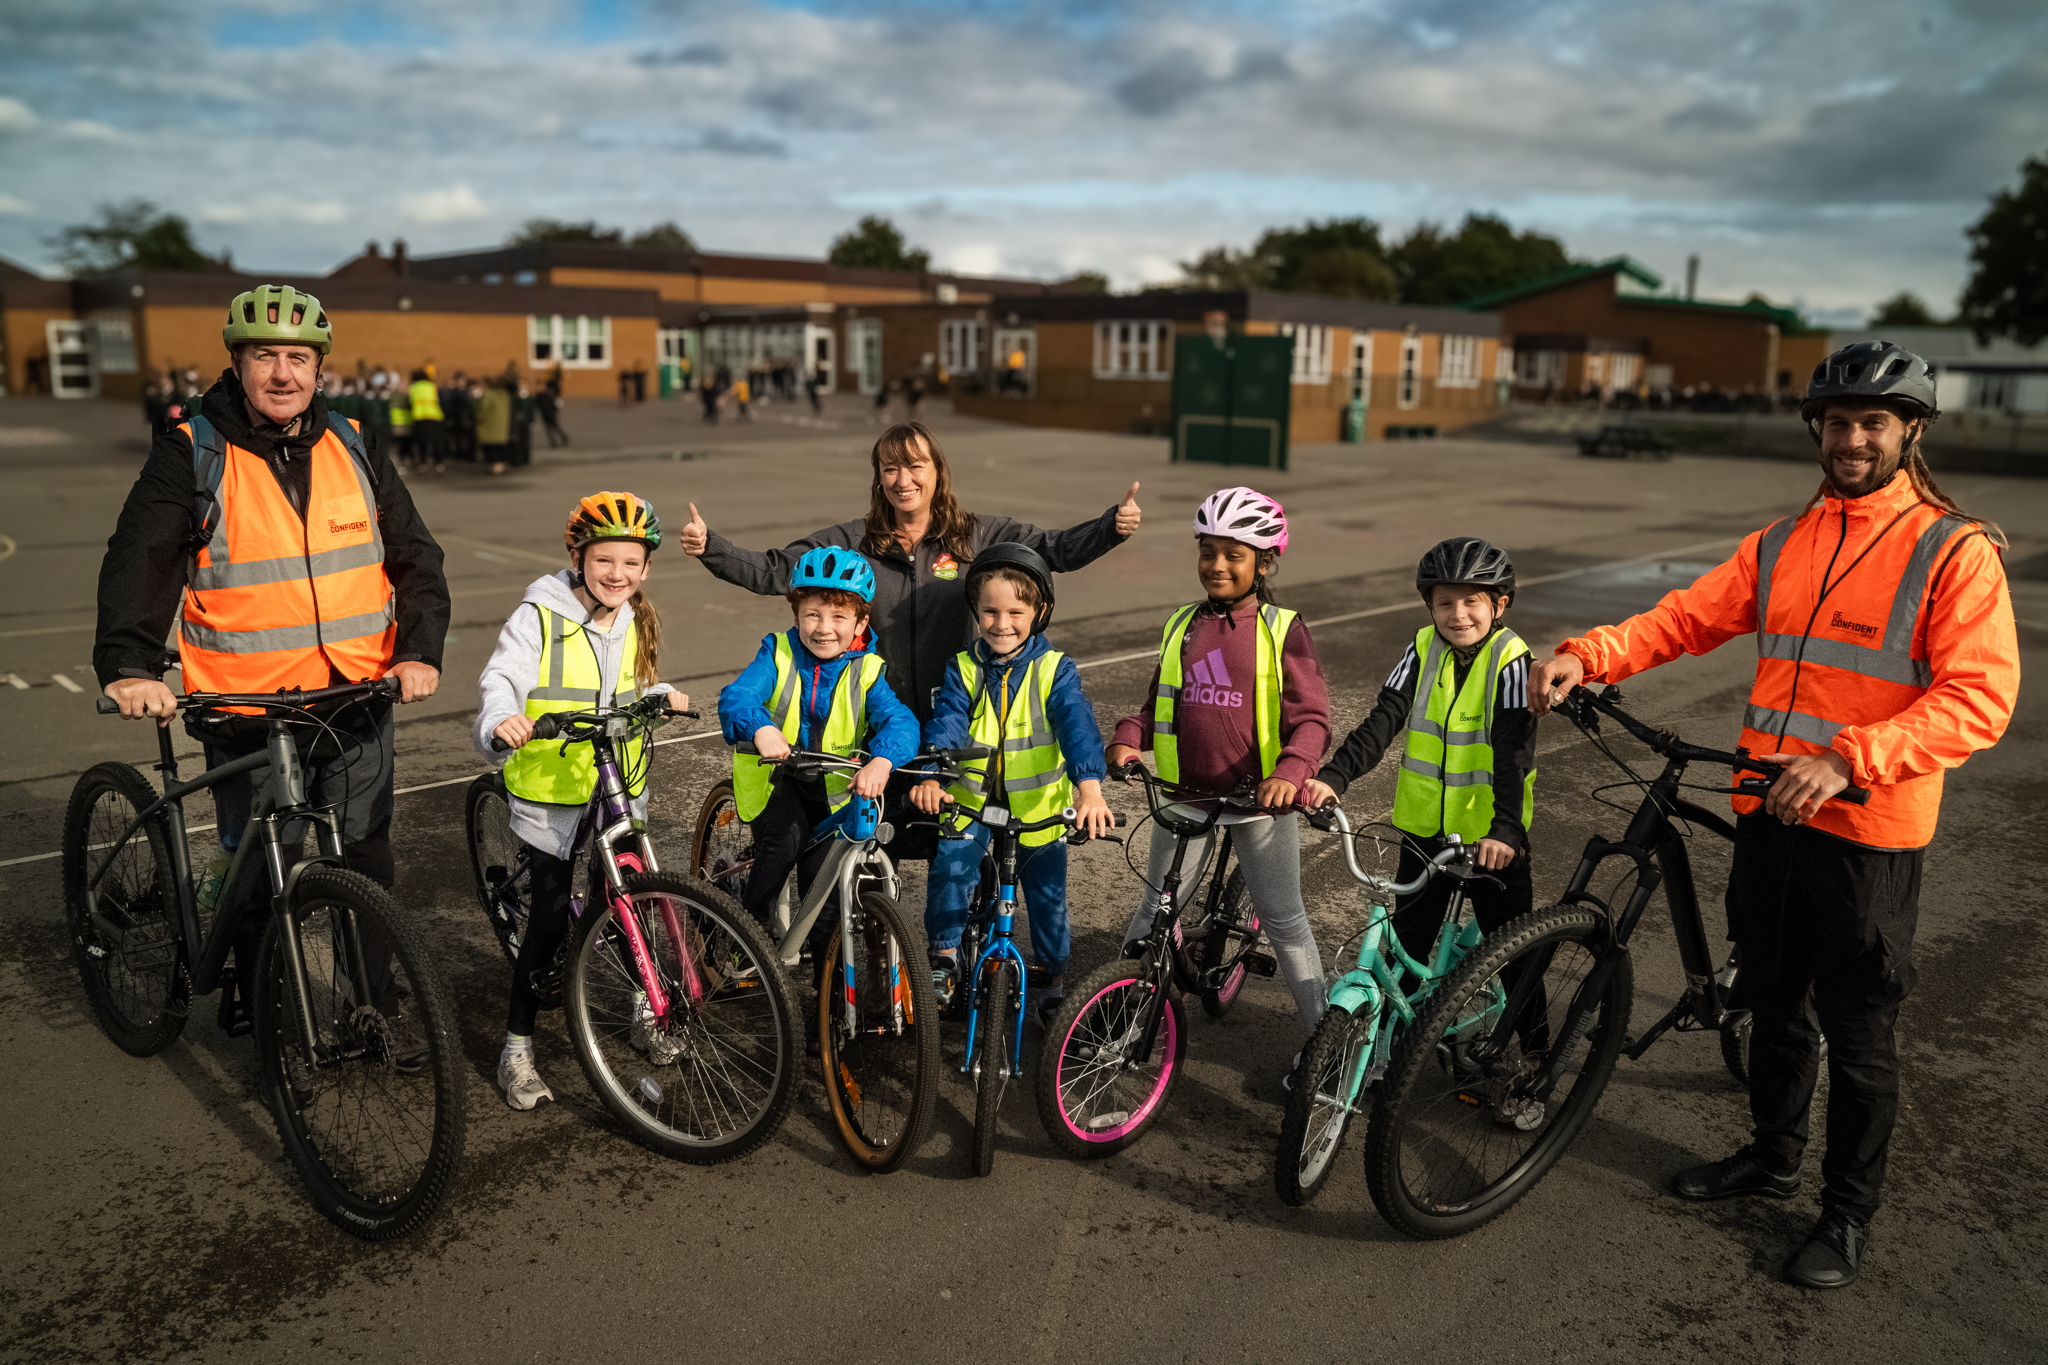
(1011, 554)
(1875, 370)
(1466, 559)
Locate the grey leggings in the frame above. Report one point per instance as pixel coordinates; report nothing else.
(1270, 853)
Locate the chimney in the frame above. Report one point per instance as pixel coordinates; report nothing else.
(1692, 277)
(405, 267)
(370, 251)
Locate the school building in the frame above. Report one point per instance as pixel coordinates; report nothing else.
(1361, 369)
(1607, 330)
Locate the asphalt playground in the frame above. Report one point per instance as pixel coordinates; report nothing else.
(147, 1212)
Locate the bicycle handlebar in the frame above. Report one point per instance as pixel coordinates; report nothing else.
(1331, 818)
(578, 727)
(287, 698)
(1580, 705)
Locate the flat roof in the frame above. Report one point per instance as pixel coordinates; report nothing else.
(1251, 305)
(510, 260)
(368, 294)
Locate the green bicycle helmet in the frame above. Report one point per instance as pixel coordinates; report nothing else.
(277, 312)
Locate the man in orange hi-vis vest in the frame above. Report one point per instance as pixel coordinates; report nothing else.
(1886, 655)
(311, 568)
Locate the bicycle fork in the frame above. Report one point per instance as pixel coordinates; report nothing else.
(1001, 951)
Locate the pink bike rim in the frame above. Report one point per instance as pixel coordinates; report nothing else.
(1169, 1031)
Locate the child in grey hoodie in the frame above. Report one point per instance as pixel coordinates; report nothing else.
(609, 637)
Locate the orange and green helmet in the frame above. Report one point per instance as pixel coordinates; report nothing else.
(612, 516)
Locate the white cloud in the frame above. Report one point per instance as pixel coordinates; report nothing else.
(456, 204)
(13, 207)
(16, 117)
(91, 130)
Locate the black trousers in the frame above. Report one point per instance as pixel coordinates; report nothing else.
(1826, 932)
(781, 831)
(1418, 916)
(546, 926)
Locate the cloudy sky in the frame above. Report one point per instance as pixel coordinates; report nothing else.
(1822, 152)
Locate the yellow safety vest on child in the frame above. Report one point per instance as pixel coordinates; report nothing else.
(1274, 623)
(845, 725)
(1446, 781)
(1034, 769)
(570, 680)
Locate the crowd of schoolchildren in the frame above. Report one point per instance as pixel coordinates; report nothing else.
(1236, 703)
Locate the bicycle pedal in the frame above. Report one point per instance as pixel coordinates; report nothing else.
(1261, 964)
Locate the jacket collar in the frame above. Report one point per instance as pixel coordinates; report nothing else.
(1033, 648)
(804, 659)
(1881, 504)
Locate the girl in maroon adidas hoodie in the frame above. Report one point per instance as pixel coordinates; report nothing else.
(1239, 698)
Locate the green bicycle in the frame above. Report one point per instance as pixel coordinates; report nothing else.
(1348, 1053)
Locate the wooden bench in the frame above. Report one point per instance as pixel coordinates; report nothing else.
(1625, 443)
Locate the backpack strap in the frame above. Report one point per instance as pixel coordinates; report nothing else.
(351, 437)
(209, 465)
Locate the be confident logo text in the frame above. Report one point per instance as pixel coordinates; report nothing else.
(1839, 622)
(338, 528)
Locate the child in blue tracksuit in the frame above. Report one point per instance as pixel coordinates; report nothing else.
(820, 687)
(1012, 692)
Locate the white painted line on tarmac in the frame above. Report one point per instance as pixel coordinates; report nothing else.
(491, 549)
(43, 630)
(14, 680)
(65, 683)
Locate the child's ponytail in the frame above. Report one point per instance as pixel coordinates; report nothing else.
(646, 641)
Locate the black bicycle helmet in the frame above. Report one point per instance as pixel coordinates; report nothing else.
(1466, 559)
(1872, 370)
(1011, 554)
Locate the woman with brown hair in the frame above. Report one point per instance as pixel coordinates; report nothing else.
(919, 542)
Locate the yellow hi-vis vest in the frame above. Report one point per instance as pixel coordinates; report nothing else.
(1446, 782)
(845, 726)
(426, 401)
(570, 681)
(1274, 623)
(1028, 754)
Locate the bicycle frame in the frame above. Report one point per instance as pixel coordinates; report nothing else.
(1002, 943)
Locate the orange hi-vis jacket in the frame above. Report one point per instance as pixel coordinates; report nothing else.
(280, 601)
(1884, 632)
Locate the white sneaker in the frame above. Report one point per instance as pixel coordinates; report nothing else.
(659, 1047)
(1524, 1116)
(522, 1084)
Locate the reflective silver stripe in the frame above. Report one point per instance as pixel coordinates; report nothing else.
(1162, 727)
(1797, 724)
(257, 572)
(1165, 690)
(1044, 779)
(286, 637)
(1862, 660)
(561, 694)
(1422, 768)
(783, 708)
(1768, 547)
(1912, 589)
(1425, 683)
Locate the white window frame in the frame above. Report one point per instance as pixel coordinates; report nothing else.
(1504, 363)
(1408, 380)
(821, 351)
(1010, 339)
(861, 333)
(113, 341)
(1361, 366)
(1624, 368)
(1311, 351)
(563, 334)
(960, 345)
(1132, 348)
(1457, 364)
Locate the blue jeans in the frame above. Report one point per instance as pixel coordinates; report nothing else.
(1042, 889)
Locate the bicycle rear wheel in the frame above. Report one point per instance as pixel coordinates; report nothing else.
(374, 1121)
(994, 1059)
(1458, 1133)
(882, 1077)
(503, 886)
(1235, 924)
(716, 1080)
(1329, 1087)
(722, 850)
(1095, 1094)
(125, 935)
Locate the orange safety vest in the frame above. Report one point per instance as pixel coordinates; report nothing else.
(1839, 599)
(281, 601)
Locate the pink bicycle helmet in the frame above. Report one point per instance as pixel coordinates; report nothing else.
(1243, 514)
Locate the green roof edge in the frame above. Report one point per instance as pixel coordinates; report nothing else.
(1626, 265)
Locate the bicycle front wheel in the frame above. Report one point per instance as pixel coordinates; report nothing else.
(882, 1071)
(504, 887)
(995, 1049)
(1465, 1123)
(125, 935)
(373, 1116)
(1099, 1087)
(722, 851)
(716, 1078)
(1329, 1087)
(1236, 924)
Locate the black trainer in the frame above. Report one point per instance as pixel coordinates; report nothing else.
(1833, 1254)
(1743, 1173)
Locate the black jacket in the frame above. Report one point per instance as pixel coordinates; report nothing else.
(920, 620)
(1514, 738)
(142, 578)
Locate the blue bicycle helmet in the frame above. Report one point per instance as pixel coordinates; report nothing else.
(828, 566)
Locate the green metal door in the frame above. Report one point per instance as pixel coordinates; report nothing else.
(1231, 401)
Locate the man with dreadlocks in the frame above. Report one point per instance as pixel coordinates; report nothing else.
(1886, 655)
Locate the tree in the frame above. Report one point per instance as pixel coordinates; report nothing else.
(1221, 268)
(1903, 309)
(1088, 282)
(553, 230)
(876, 244)
(1483, 255)
(2008, 290)
(131, 235)
(1343, 257)
(663, 237)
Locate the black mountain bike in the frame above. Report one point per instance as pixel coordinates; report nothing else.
(356, 1046)
(1533, 1021)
